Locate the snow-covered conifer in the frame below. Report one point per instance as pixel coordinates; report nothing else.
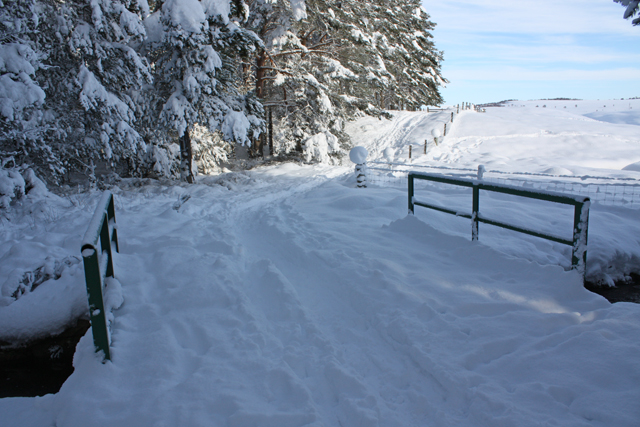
(90, 72)
(326, 63)
(403, 40)
(194, 47)
(21, 97)
(299, 78)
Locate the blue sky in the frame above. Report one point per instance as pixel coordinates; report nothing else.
(534, 49)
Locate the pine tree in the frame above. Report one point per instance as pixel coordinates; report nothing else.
(90, 72)
(299, 78)
(339, 59)
(98, 85)
(21, 97)
(408, 54)
(194, 50)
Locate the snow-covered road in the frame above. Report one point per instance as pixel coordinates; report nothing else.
(286, 297)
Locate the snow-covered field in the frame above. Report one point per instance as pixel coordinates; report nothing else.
(285, 296)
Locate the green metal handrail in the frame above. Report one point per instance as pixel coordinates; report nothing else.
(580, 218)
(98, 265)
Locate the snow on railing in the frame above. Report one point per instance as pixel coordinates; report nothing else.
(603, 190)
(98, 265)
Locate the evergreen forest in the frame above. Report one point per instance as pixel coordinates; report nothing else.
(173, 88)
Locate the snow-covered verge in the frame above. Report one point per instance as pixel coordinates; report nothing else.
(285, 296)
(42, 288)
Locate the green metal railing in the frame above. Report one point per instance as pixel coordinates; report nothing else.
(580, 217)
(98, 265)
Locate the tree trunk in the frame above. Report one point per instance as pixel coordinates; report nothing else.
(270, 131)
(258, 144)
(260, 73)
(186, 159)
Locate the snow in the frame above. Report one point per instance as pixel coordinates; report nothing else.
(481, 171)
(93, 230)
(153, 27)
(177, 110)
(213, 59)
(236, 127)
(54, 305)
(337, 70)
(219, 8)
(17, 90)
(325, 103)
(388, 154)
(17, 58)
(299, 9)
(94, 94)
(286, 296)
(279, 80)
(144, 7)
(318, 147)
(632, 167)
(130, 21)
(358, 155)
(187, 14)
(563, 137)
(11, 185)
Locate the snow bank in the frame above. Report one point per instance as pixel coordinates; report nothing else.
(632, 167)
(42, 288)
(319, 146)
(630, 117)
(12, 186)
(55, 305)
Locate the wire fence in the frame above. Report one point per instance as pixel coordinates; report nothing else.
(604, 190)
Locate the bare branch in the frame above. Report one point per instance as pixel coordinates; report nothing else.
(277, 69)
(301, 51)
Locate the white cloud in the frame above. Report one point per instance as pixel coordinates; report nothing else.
(524, 47)
(530, 16)
(545, 51)
(526, 74)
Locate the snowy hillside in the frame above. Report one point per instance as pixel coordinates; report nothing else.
(285, 296)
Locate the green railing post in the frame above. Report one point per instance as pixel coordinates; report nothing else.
(95, 285)
(111, 215)
(474, 212)
(105, 244)
(580, 231)
(98, 264)
(411, 207)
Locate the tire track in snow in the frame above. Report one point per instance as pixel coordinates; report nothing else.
(323, 286)
(402, 129)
